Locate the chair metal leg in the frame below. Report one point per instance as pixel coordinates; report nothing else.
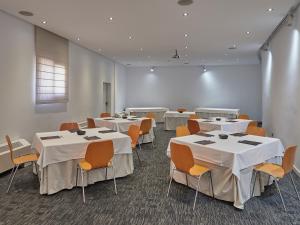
(294, 186)
(77, 169)
(11, 180)
(11, 173)
(259, 174)
(277, 186)
(138, 156)
(143, 139)
(37, 172)
(186, 179)
(82, 185)
(171, 178)
(106, 173)
(197, 190)
(211, 184)
(116, 191)
(255, 173)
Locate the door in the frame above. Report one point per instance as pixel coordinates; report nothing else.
(107, 97)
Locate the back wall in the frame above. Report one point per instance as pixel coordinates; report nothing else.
(188, 86)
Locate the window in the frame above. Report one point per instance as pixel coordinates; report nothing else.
(51, 68)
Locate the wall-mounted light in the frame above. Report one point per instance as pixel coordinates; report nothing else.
(204, 68)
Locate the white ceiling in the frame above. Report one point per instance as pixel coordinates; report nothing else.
(158, 27)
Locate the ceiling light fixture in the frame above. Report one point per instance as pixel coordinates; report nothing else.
(25, 13)
(248, 32)
(204, 68)
(130, 37)
(270, 9)
(141, 49)
(186, 47)
(186, 35)
(152, 69)
(185, 14)
(78, 39)
(44, 22)
(233, 47)
(110, 18)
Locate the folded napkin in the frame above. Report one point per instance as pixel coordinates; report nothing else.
(205, 142)
(106, 131)
(239, 134)
(50, 137)
(91, 138)
(205, 135)
(250, 142)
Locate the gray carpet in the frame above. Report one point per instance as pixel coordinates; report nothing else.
(141, 200)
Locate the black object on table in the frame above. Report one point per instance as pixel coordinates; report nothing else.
(204, 134)
(239, 134)
(91, 138)
(50, 137)
(106, 131)
(247, 142)
(205, 142)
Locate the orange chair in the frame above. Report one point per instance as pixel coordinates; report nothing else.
(182, 157)
(17, 161)
(181, 110)
(150, 115)
(98, 155)
(193, 126)
(252, 124)
(277, 172)
(91, 123)
(182, 131)
(134, 134)
(145, 128)
(69, 126)
(257, 131)
(194, 117)
(105, 114)
(243, 117)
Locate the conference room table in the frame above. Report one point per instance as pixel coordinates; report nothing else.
(223, 124)
(174, 119)
(158, 112)
(60, 152)
(122, 125)
(217, 112)
(231, 161)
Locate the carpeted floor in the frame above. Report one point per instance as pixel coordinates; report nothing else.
(141, 200)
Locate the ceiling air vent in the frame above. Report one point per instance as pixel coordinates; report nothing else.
(185, 2)
(26, 13)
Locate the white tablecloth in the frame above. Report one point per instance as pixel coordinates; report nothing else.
(122, 125)
(217, 112)
(231, 163)
(238, 127)
(159, 112)
(174, 119)
(58, 158)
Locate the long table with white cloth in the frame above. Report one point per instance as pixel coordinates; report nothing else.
(224, 124)
(231, 162)
(122, 125)
(60, 152)
(217, 112)
(158, 112)
(174, 119)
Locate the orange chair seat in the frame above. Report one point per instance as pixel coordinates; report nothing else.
(25, 159)
(271, 169)
(85, 165)
(143, 133)
(133, 146)
(198, 170)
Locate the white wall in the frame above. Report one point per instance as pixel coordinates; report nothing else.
(188, 86)
(120, 87)
(281, 85)
(19, 116)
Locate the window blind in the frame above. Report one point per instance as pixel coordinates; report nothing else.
(52, 59)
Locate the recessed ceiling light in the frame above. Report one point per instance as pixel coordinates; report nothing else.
(248, 32)
(186, 35)
(78, 39)
(141, 49)
(25, 13)
(185, 14)
(110, 18)
(186, 47)
(44, 22)
(233, 47)
(130, 37)
(270, 9)
(152, 69)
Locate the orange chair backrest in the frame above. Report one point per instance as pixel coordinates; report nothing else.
(91, 123)
(182, 131)
(68, 126)
(182, 157)
(289, 159)
(194, 117)
(150, 115)
(181, 110)
(146, 126)
(243, 117)
(99, 154)
(193, 126)
(257, 131)
(105, 114)
(253, 124)
(10, 147)
(133, 133)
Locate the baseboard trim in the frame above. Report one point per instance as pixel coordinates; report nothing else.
(297, 171)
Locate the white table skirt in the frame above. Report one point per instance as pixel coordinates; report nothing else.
(60, 176)
(159, 112)
(234, 127)
(122, 125)
(174, 119)
(217, 112)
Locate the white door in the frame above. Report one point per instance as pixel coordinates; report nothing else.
(107, 97)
